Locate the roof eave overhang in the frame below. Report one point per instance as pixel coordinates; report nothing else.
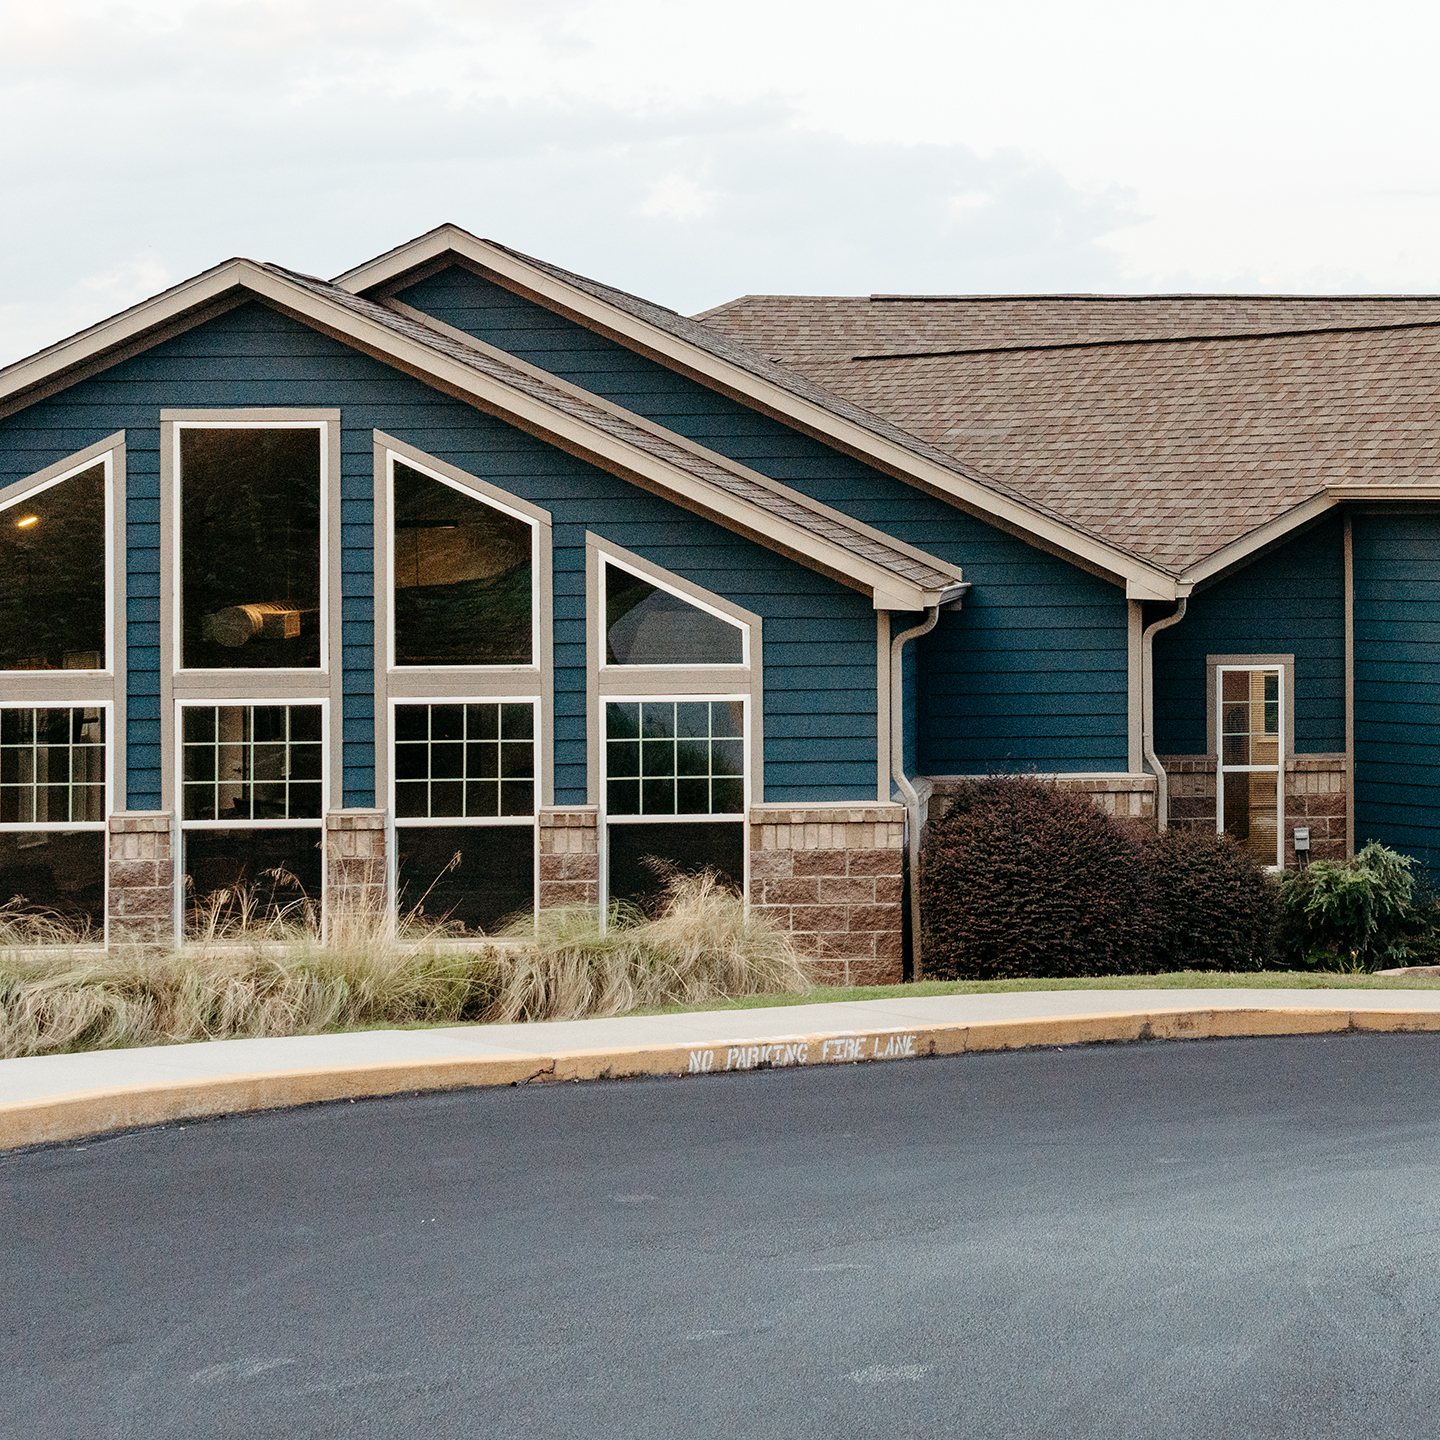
(1141, 580)
(1255, 542)
(238, 280)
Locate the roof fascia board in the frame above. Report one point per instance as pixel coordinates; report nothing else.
(1240, 551)
(584, 441)
(1383, 494)
(753, 390)
(120, 338)
(680, 442)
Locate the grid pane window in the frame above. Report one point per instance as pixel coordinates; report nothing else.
(1250, 716)
(52, 765)
(675, 757)
(465, 761)
(252, 762)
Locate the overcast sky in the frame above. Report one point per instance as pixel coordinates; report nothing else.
(693, 153)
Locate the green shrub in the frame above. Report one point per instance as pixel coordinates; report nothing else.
(1357, 914)
(1217, 908)
(1021, 878)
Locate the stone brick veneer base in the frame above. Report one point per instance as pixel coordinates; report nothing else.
(831, 877)
(140, 862)
(355, 878)
(1315, 795)
(1126, 797)
(569, 856)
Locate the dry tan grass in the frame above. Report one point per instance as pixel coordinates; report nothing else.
(277, 976)
(701, 945)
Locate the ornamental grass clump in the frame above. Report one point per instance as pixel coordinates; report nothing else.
(701, 944)
(1358, 914)
(276, 975)
(274, 980)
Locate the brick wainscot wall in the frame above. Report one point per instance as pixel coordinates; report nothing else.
(569, 856)
(1315, 795)
(831, 876)
(140, 864)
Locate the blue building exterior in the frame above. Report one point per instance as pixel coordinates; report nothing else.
(701, 559)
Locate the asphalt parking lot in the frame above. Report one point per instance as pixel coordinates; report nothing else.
(1220, 1238)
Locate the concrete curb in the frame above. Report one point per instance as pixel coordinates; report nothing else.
(125, 1107)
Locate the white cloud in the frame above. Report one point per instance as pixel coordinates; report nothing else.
(692, 153)
(676, 197)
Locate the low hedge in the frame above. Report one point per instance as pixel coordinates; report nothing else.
(1020, 878)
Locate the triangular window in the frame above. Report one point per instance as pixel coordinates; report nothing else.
(645, 625)
(52, 576)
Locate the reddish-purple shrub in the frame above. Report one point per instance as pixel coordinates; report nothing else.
(1021, 878)
(1219, 910)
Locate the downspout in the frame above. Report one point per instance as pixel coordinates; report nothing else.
(1147, 681)
(902, 782)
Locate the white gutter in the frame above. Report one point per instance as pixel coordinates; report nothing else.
(1147, 681)
(897, 773)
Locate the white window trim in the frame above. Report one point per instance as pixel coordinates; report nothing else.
(435, 684)
(174, 561)
(14, 495)
(446, 821)
(298, 685)
(660, 682)
(1272, 665)
(65, 826)
(478, 822)
(671, 587)
(316, 822)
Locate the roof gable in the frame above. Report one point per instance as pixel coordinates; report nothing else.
(702, 353)
(897, 576)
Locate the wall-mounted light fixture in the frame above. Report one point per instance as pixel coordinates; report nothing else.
(26, 521)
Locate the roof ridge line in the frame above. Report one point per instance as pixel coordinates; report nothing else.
(1155, 340)
(1133, 298)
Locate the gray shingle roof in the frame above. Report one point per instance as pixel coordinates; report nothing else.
(1140, 420)
(805, 330)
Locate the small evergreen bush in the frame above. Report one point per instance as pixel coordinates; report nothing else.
(1217, 908)
(1356, 914)
(1021, 878)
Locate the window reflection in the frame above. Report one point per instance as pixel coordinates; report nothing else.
(675, 757)
(250, 548)
(462, 577)
(1250, 761)
(645, 625)
(52, 577)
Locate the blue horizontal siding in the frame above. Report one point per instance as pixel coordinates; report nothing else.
(1289, 602)
(1029, 616)
(819, 635)
(1397, 683)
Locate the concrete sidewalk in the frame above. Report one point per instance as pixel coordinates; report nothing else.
(57, 1097)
